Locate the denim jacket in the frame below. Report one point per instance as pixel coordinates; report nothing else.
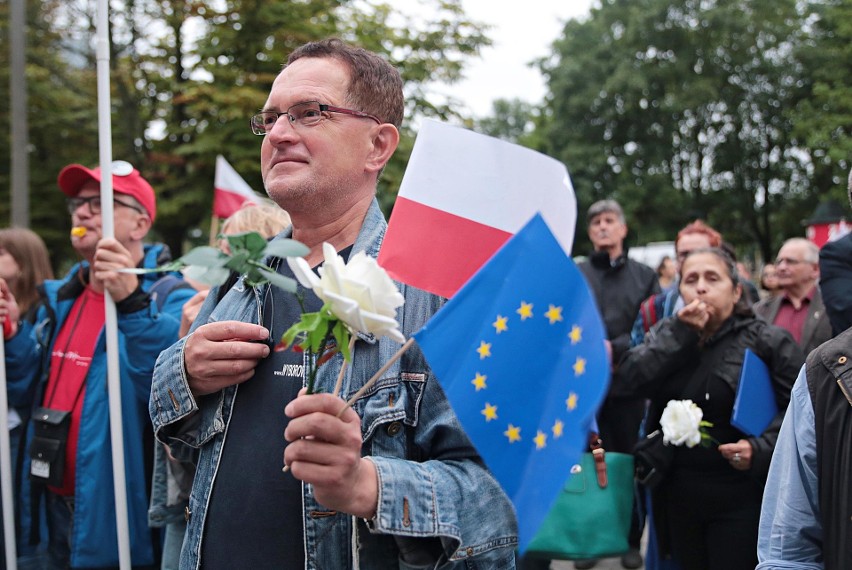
(438, 505)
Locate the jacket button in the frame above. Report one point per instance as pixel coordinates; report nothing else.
(394, 428)
(186, 513)
(842, 360)
(469, 551)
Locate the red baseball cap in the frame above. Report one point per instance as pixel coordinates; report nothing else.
(125, 180)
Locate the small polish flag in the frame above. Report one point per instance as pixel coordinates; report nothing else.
(462, 196)
(231, 191)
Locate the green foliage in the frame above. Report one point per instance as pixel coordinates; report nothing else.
(248, 250)
(185, 76)
(692, 109)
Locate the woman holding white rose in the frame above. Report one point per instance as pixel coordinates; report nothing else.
(708, 506)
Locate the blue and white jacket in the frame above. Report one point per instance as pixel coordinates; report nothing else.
(142, 333)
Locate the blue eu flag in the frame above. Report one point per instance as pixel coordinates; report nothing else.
(520, 353)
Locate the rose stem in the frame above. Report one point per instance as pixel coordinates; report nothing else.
(377, 375)
(339, 383)
(370, 382)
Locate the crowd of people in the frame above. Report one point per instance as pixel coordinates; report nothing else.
(211, 413)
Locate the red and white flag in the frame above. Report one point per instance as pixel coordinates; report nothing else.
(231, 190)
(462, 196)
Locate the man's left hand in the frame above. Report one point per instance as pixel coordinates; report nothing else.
(325, 451)
(109, 256)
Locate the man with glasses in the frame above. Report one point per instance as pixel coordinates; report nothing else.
(798, 308)
(619, 284)
(61, 363)
(394, 481)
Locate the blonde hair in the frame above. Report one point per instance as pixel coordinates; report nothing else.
(265, 218)
(30, 253)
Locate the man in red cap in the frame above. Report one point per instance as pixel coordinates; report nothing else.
(61, 363)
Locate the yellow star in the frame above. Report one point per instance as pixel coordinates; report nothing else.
(540, 439)
(525, 310)
(579, 366)
(479, 381)
(571, 402)
(490, 412)
(576, 334)
(500, 324)
(553, 314)
(513, 433)
(557, 429)
(484, 349)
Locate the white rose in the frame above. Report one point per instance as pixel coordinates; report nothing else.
(680, 422)
(360, 292)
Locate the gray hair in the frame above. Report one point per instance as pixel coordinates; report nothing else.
(602, 206)
(811, 249)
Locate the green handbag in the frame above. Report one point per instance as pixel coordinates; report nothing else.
(591, 516)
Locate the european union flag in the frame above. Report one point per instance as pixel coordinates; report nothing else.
(520, 353)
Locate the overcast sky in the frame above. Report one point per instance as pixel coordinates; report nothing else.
(522, 31)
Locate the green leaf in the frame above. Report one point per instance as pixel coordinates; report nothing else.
(252, 242)
(237, 262)
(212, 276)
(204, 256)
(342, 336)
(286, 248)
(285, 283)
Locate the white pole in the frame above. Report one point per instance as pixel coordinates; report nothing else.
(113, 373)
(6, 467)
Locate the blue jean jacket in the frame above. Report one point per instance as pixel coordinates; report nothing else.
(439, 506)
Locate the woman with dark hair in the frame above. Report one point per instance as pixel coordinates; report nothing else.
(707, 507)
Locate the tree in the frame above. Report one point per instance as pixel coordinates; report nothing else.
(681, 109)
(511, 120)
(185, 77)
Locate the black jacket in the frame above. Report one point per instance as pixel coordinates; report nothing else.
(835, 282)
(671, 358)
(673, 364)
(619, 288)
(829, 373)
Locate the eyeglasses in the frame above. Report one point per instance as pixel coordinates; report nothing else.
(788, 261)
(304, 114)
(94, 203)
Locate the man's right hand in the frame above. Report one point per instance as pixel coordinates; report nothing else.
(218, 355)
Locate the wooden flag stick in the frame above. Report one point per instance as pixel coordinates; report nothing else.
(339, 383)
(377, 375)
(214, 229)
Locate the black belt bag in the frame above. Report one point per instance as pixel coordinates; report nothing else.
(47, 449)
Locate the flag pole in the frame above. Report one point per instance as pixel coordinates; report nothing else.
(214, 229)
(108, 229)
(6, 467)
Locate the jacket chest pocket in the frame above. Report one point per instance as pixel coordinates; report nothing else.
(390, 412)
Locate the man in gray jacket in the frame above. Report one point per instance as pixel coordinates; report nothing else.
(799, 307)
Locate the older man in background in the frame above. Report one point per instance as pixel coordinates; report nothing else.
(798, 308)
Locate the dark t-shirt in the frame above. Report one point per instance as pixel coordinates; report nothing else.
(255, 514)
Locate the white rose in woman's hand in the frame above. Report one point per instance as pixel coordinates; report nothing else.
(681, 422)
(360, 293)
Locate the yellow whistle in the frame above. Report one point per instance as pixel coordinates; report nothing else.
(78, 231)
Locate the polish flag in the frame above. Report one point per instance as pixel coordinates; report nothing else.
(462, 196)
(231, 190)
